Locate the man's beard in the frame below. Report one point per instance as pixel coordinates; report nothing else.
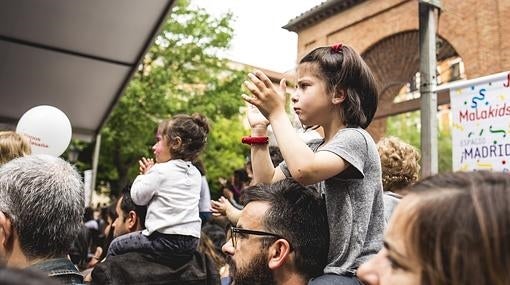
(256, 272)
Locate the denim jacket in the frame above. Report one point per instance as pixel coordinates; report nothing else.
(61, 269)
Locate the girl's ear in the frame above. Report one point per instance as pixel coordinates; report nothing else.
(339, 96)
(176, 143)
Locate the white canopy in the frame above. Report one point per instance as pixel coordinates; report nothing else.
(75, 55)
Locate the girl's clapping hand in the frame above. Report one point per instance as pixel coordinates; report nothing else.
(265, 96)
(145, 165)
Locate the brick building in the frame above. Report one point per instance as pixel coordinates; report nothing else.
(385, 33)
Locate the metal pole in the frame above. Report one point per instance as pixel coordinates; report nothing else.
(428, 20)
(95, 160)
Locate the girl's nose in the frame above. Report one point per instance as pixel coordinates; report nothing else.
(294, 97)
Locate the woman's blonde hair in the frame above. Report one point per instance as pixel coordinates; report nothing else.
(399, 163)
(13, 145)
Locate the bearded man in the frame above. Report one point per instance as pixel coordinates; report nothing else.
(281, 236)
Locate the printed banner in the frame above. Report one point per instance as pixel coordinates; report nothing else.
(481, 125)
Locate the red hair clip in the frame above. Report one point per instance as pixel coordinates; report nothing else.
(336, 48)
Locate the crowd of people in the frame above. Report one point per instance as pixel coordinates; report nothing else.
(339, 209)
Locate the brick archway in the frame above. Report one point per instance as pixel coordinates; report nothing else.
(477, 29)
(394, 61)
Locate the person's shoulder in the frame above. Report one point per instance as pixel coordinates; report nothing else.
(92, 224)
(157, 168)
(138, 264)
(350, 138)
(182, 165)
(352, 132)
(141, 268)
(355, 137)
(120, 260)
(392, 195)
(171, 167)
(129, 267)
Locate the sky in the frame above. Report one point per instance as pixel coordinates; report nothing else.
(259, 39)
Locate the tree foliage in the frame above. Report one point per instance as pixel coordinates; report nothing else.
(180, 73)
(407, 127)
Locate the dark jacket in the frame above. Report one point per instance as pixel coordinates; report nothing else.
(143, 268)
(61, 269)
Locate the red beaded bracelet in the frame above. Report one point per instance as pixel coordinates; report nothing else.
(255, 140)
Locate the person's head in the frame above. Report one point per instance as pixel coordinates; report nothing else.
(291, 235)
(130, 217)
(240, 178)
(108, 215)
(214, 228)
(451, 229)
(248, 168)
(181, 137)
(276, 155)
(41, 207)
(13, 145)
(399, 164)
(88, 214)
(335, 81)
(207, 247)
(79, 250)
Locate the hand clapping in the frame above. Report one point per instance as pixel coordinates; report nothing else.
(145, 165)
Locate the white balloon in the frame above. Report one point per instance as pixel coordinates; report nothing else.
(48, 129)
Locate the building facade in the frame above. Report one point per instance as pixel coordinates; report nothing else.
(385, 33)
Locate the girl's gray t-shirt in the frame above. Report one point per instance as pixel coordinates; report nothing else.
(354, 200)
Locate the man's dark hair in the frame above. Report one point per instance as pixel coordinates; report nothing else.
(298, 214)
(127, 205)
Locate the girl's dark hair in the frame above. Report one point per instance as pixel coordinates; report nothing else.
(192, 130)
(344, 69)
(458, 227)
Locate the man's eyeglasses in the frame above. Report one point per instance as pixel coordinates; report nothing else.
(235, 231)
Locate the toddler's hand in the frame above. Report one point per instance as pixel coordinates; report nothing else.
(145, 165)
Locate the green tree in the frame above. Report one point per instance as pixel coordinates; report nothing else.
(181, 73)
(407, 128)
